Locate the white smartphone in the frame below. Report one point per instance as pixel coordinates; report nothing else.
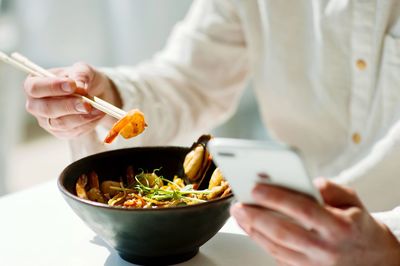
(244, 163)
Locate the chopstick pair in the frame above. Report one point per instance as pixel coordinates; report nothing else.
(22, 63)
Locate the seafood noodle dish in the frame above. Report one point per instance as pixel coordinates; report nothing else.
(148, 188)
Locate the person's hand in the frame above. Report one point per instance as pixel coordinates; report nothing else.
(65, 116)
(296, 230)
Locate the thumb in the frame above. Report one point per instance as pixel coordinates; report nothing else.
(336, 195)
(83, 75)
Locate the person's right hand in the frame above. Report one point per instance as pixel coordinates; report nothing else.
(297, 230)
(65, 116)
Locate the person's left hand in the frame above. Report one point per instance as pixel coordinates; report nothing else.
(296, 230)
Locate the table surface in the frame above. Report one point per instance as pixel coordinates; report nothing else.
(37, 227)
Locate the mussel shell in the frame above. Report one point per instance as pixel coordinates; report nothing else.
(204, 174)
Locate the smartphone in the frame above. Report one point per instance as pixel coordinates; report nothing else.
(244, 163)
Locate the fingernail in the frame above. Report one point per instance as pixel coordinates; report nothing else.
(66, 87)
(80, 107)
(80, 84)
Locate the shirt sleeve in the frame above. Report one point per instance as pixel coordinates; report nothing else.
(376, 179)
(189, 87)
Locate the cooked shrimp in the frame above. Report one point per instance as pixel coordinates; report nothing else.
(131, 125)
(94, 192)
(94, 180)
(81, 186)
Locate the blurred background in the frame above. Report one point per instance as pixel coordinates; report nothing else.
(99, 32)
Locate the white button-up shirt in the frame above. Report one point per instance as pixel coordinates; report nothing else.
(326, 76)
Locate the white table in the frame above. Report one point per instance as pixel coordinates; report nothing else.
(37, 227)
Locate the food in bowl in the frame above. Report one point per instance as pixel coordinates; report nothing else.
(147, 236)
(151, 190)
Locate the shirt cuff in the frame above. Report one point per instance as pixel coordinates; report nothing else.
(125, 85)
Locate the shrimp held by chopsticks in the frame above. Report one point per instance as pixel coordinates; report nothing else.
(129, 126)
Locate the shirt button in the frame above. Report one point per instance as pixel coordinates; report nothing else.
(356, 137)
(361, 64)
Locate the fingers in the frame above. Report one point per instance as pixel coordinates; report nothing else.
(297, 206)
(41, 87)
(69, 122)
(80, 78)
(82, 73)
(277, 228)
(76, 131)
(57, 110)
(285, 255)
(85, 125)
(336, 195)
(56, 107)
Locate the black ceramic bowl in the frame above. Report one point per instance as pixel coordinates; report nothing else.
(145, 236)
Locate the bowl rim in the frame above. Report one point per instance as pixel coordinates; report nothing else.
(66, 193)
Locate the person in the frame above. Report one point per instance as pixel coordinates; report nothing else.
(325, 77)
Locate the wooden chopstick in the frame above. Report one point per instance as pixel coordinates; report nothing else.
(102, 108)
(21, 62)
(6, 59)
(109, 106)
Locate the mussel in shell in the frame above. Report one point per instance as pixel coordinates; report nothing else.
(197, 162)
